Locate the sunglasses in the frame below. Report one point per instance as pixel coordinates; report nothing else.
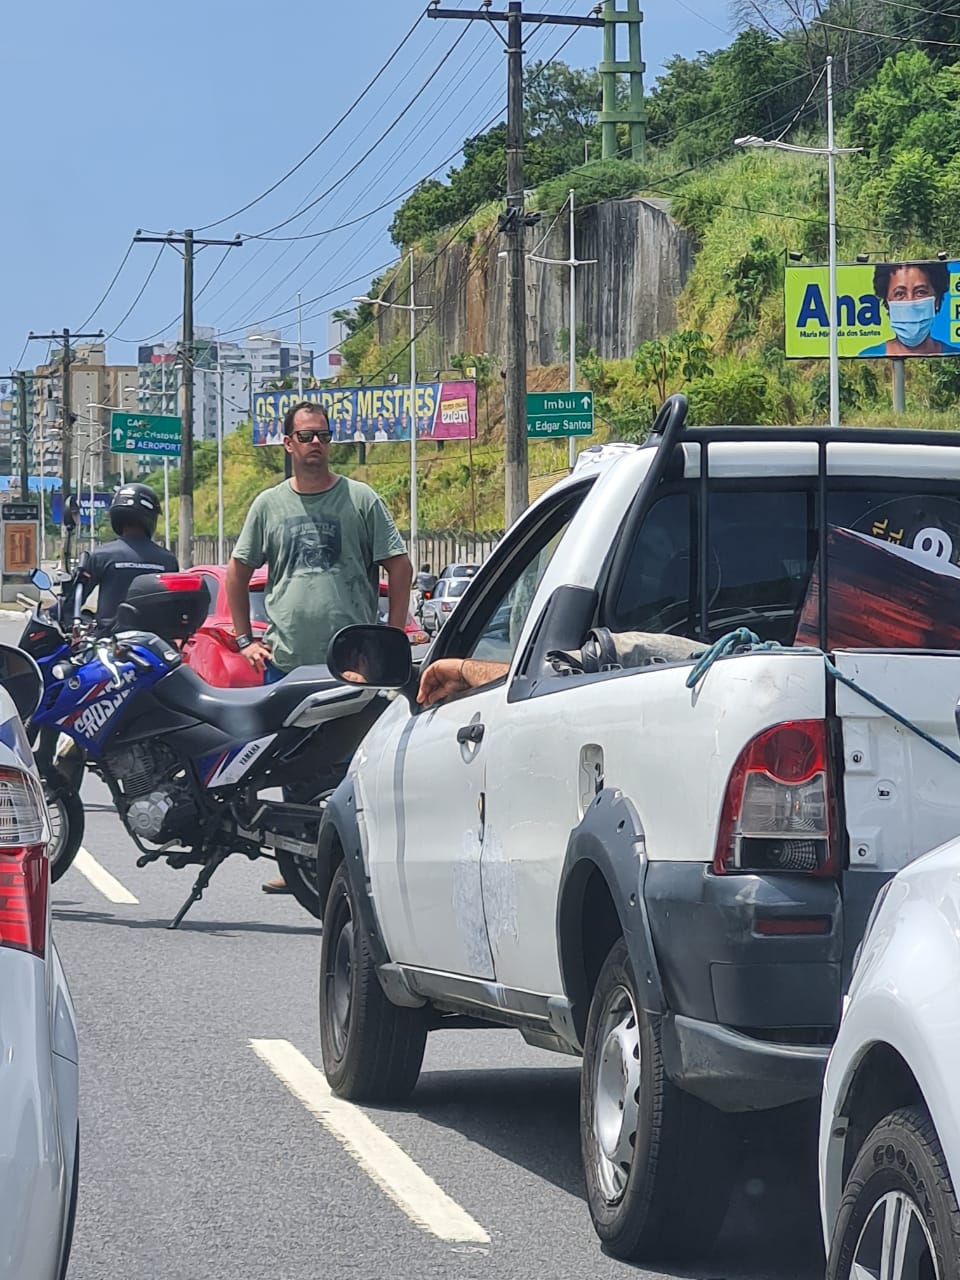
(305, 437)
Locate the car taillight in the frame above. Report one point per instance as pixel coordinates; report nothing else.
(776, 813)
(23, 863)
(446, 605)
(418, 637)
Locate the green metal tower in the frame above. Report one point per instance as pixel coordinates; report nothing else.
(610, 69)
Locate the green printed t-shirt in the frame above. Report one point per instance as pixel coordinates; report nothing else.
(321, 552)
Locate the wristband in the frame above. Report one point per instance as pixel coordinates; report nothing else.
(244, 641)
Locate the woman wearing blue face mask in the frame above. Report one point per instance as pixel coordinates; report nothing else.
(911, 293)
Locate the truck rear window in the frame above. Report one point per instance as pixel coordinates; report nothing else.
(762, 550)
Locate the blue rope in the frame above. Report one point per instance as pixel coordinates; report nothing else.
(889, 711)
(743, 639)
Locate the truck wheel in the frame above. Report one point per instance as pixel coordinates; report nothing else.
(650, 1151)
(372, 1050)
(899, 1213)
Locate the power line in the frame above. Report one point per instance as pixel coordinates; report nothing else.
(489, 123)
(139, 342)
(19, 359)
(296, 267)
(885, 35)
(725, 31)
(348, 222)
(935, 13)
(340, 181)
(213, 274)
(343, 284)
(109, 288)
(330, 132)
(143, 289)
(806, 102)
(264, 298)
(260, 248)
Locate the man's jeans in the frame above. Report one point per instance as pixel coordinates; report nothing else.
(272, 674)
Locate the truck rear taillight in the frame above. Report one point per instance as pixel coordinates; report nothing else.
(777, 809)
(24, 875)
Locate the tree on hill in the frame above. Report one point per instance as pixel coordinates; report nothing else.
(561, 105)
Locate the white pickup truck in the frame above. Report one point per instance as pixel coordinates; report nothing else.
(663, 867)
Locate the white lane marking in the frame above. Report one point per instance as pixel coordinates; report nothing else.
(101, 879)
(388, 1165)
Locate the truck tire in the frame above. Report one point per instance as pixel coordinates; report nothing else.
(650, 1151)
(899, 1184)
(372, 1050)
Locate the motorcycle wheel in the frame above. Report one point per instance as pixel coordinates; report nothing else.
(66, 826)
(301, 879)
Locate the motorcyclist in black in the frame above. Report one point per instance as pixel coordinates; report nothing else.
(113, 566)
(425, 580)
(424, 584)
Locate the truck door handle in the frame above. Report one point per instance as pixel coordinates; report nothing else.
(470, 733)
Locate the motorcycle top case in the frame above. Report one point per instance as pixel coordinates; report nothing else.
(171, 605)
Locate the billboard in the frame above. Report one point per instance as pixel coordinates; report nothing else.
(884, 309)
(102, 503)
(444, 411)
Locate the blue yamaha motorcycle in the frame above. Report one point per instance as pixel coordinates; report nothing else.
(185, 761)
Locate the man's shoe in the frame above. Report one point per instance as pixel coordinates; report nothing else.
(275, 886)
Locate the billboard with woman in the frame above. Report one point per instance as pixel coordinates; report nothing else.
(884, 309)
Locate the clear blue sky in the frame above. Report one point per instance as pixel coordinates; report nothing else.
(120, 115)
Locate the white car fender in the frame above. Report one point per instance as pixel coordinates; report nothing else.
(906, 994)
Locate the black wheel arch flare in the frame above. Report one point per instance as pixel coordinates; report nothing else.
(600, 897)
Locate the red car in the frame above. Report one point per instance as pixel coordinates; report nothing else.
(212, 650)
(415, 633)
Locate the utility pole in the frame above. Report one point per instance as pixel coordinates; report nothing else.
(413, 309)
(66, 479)
(513, 224)
(20, 378)
(190, 244)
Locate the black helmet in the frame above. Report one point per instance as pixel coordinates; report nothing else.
(135, 504)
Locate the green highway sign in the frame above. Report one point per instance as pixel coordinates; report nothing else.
(145, 433)
(552, 414)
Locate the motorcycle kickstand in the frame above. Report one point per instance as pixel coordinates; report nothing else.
(201, 882)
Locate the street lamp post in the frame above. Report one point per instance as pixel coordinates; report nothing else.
(831, 151)
(572, 262)
(114, 408)
(413, 309)
(91, 444)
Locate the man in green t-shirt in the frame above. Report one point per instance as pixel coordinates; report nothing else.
(323, 538)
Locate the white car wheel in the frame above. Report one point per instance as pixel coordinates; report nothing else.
(899, 1218)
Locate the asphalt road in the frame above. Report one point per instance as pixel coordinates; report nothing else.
(199, 1162)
